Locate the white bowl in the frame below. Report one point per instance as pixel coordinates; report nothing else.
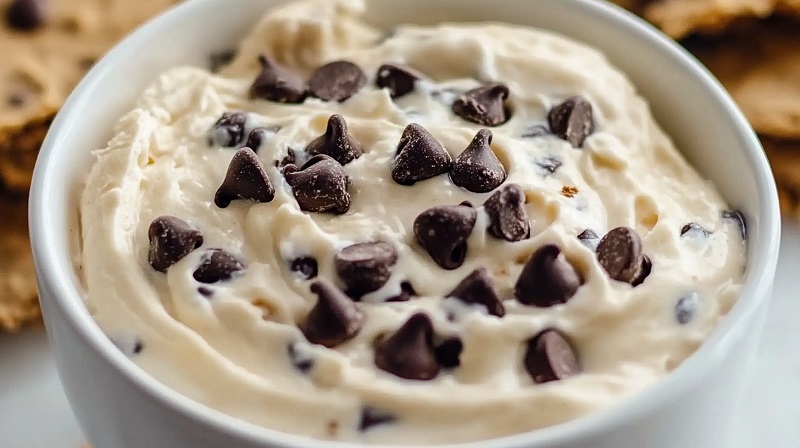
(120, 406)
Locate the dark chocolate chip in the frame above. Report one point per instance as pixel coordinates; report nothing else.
(572, 120)
(171, 239)
(694, 229)
(205, 292)
(686, 307)
(448, 353)
(277, 83)
(478, 169)
(508, 219)
(365, 267)
(373, 417)
(260, 135)
(336, 81)
(443, 231)
(537, 130)
(551, 357)
(334, 319)
(245, 179)
(399, 79)
(406, 293)
(27, 15)
(736, 217)
(228, 131)
(289, 159)
(549, 165)
(647, 267)
(306, 267)
(217, 265)
(589, 239)
(621, 254)
(408, 352)
(320, 185)
(336, 142)
(419, 156)
(138, 347)
(300, 361)
(547, 279)
(484, 105)
(220, 59)
(478, 288)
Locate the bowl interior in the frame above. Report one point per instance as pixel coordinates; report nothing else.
(686, 101)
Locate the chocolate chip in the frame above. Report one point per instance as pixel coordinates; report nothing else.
(484, 105)
(336, 142)
(478, 288)
(245, 179)
(306, 267)
(26, 15)
(320, 185)
(736, 217)
(277, 83)
(205, 292)
(686, 307)
(228, 131)
(589, 239)
(572, 120)
(551, 357)
(419, 156)
(289, 159)
(301, 361)
(336, 81)
(220, 59)
(365, 267)
(217, 265)
(508, 219)
(448, 353)
(620, 254)
(647, 267)
(171, 239)
(443, 232)
(260, 135)
(334, 319)
(534, 131)
(694, 229)
(406, 293)
(549, 165)
(128, 344)
(373, 417)
(408, 352)
(547, 279)
(477, 168)
(399, 79)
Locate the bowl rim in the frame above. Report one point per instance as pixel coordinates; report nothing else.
(56, 282)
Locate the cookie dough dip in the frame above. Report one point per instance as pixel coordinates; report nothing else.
(443, 234)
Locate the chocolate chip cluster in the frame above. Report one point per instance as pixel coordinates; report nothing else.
(414, 350)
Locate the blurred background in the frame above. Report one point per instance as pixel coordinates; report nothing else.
(752, 46)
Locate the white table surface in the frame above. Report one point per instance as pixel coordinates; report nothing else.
(34, 412)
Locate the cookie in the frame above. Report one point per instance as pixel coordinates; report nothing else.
(758, 65)
(47, 46)
(679, 18)
(18, 298)
(632, 5)
(784, 156)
